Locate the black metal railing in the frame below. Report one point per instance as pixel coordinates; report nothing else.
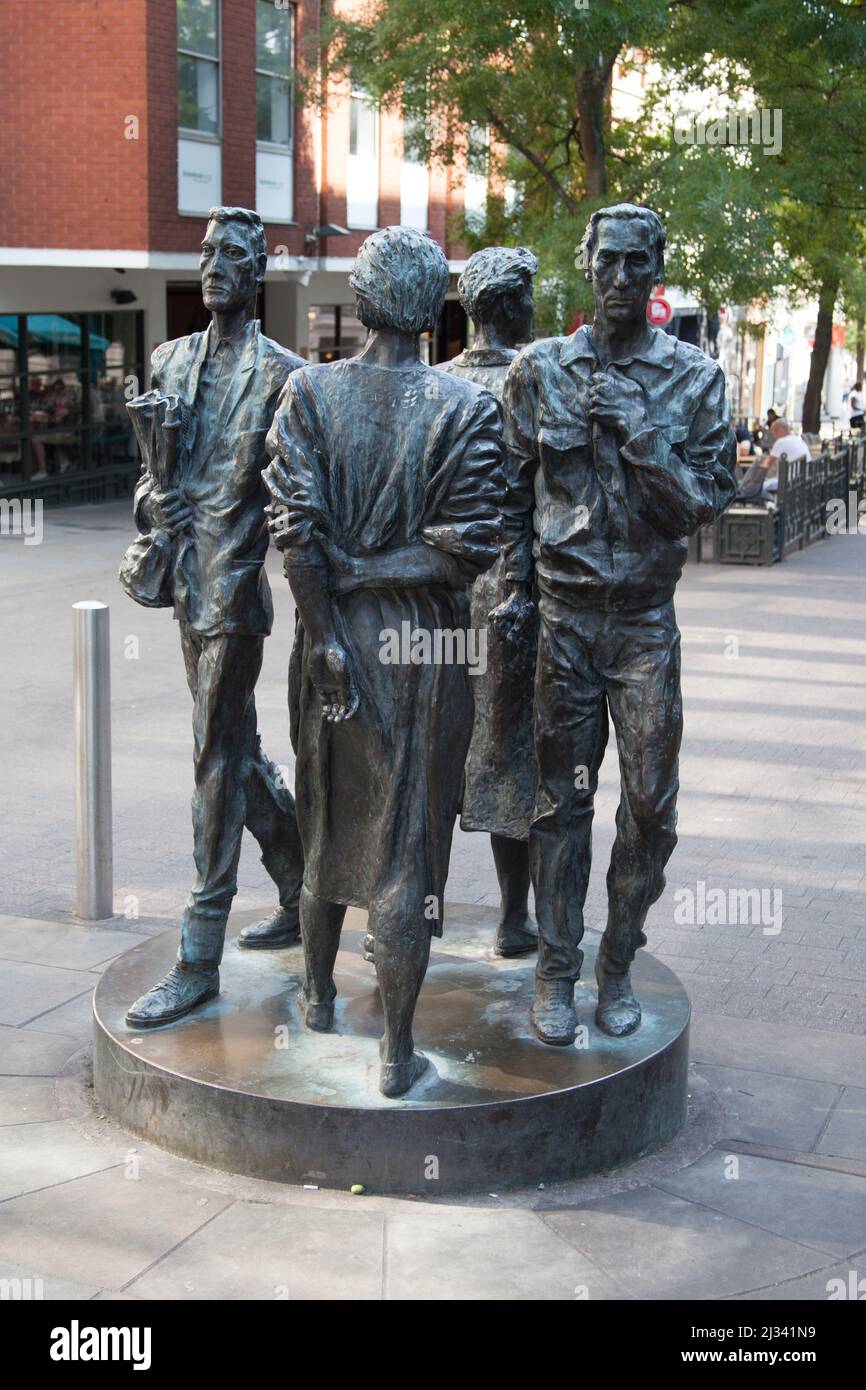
(765, 531)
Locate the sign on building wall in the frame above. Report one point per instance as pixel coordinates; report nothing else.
(199, 175)
(414, 195)
(274, 185)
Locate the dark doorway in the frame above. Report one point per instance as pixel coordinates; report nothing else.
(185, 313)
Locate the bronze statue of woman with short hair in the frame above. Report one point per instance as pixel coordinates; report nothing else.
(386, 489)
(495, 289)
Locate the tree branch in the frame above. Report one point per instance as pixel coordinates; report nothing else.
(535, 160)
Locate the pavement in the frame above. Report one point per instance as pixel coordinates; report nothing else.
(764, 1193)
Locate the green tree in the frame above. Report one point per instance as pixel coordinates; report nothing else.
(743, 223)
(807, 60)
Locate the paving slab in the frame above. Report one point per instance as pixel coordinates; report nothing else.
(661, 1246)
(34, 1051)
(27, 990)
(75, 1017)
(60, 943)
(31, 1100)
(450, 1253)
(817, 1207)
(24, 1284)
(776, 1047)
(103, 1229)
(254, 1251)
(34, 1156)
(842, 1282)
(764, 1108)
(845, 1135)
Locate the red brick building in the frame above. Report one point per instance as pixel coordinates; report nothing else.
(123, 123)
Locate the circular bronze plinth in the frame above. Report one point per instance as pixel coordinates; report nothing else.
(242, 1085)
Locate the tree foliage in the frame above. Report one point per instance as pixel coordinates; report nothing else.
(743, 221)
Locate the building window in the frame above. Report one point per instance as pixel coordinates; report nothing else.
(198, 66)
(475, 190)
(64, 383)
(198, 99)
(274, 64)
(414, 180)
(335, 331)
(275, 45)
(362, 165)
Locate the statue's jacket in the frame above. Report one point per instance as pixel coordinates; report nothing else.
(376, 459)
(501, 774)
(223, 587)
(603, 525)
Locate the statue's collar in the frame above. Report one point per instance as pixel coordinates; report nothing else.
(659, 352)
(486, 357)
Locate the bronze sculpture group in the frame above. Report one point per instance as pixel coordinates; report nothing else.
(534, 495)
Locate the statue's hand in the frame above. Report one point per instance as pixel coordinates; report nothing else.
(515, 617)
(168, 511)
(346, 570)
(329, 671)
(277, 514)
(618, 403)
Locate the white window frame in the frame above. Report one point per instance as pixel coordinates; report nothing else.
(274, 146)
(189, 132)
(358, 94)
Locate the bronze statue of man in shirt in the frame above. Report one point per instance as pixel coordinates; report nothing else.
(618, 446)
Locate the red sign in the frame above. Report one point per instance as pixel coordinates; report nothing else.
(659, 312)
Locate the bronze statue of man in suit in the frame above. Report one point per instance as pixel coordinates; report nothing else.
(224, 383)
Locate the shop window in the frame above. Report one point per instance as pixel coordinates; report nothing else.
(334, 332)
(64, 383)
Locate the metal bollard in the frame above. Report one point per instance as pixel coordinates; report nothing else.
(92, 716)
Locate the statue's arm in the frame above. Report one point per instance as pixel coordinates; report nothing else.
(520, 462)
(684, 485)
(296, 513)
(145, 517)
(404, 567)
(461, 537)
(464, 524)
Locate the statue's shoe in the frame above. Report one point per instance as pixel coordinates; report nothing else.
(370, 948)
(182, 989)
(519, 940)
(618, 1012)
(282, 928)
(553, 1016)
(318, 1016)
(396, 1078)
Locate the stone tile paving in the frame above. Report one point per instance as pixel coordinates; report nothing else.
(774, 798)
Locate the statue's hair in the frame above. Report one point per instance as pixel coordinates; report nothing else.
(250, 219)
(400, 277)
(492, 272)
(627, 211)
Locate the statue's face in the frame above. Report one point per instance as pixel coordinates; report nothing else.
(623, 270)
(228, 267)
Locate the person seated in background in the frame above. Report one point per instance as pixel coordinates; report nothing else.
(745, 440)
(855, 406)
(786, 443)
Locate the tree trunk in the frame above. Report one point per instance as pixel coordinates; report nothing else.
(591, 94)
(820, 357)
(860, 346)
